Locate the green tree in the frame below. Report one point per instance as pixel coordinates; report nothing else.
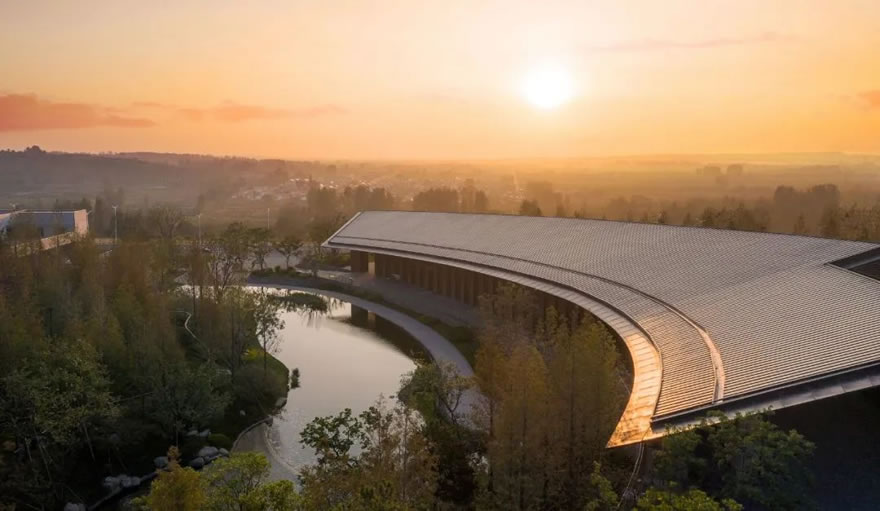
(759, 463)
(54, 398)
(183, 396)
(227, 254)
(692, 500)
(437, 199)
(830, 222)
(677, 461)
(437, 392)
(529, 208)
(606, 498)
(288, 246)
(240, 483)
(259, 244)
(394, 469)
(800, 225)
(267, 324)
(51, 407)
(746, 458)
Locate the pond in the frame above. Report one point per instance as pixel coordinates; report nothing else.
(347, 358)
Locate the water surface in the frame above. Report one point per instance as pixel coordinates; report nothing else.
(347, 358)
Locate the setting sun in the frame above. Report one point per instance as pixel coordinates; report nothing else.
(548, 87)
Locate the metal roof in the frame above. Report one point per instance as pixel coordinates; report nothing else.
(731, 313)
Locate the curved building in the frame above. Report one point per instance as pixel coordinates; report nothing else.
(713, 319)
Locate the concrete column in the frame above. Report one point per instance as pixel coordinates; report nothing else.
(356, 257)
(462, 281)
(450, 282)
(453, 283)
(465, 293)
(359, 315)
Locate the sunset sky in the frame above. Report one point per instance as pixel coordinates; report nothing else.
(440, 78)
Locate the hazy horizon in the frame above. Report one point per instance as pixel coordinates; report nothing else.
(809, 157)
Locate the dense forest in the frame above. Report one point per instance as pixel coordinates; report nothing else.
(105, 361)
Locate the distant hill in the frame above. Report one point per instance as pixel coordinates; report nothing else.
(34, 174)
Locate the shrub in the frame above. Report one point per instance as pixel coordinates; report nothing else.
(220, 440)
(251, 384)
(190, 446)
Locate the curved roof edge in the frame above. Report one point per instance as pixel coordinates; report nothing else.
(635, 422)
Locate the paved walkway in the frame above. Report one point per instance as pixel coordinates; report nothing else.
(257, 440)
(439, 347)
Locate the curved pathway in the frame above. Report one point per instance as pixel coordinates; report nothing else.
(439, 347)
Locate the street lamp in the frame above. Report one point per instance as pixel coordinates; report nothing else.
(200, 228)
(115, 226)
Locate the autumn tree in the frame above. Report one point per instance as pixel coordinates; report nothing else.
(175, 489)
(236, 483)
(549, 400)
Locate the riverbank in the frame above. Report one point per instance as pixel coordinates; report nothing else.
(260, 439)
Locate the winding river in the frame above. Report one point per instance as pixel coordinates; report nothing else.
(347, 358)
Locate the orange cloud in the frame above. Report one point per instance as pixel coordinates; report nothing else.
(20, 112)
(667, 44)
(235, 112)
(870, 98)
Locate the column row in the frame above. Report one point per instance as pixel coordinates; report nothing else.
(460, 284)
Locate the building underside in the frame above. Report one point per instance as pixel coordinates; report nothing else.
(712, 319)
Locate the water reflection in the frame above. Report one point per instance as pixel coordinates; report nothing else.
(347, 358)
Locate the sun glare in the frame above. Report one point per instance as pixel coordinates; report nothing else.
(547, 87)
